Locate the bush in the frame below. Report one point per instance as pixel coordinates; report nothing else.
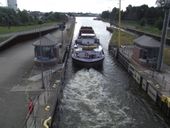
(40, 22)
(159, 23)
(143, 22)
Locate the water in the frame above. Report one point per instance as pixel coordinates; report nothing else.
(105, 98)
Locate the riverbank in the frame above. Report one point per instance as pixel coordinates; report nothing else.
(133, 28)
(13, 29)
(144, 28)
(15, 38)
(7, 34)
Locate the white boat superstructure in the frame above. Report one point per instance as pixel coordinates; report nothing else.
(87, 49)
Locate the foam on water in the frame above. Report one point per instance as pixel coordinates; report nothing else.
(85, 96)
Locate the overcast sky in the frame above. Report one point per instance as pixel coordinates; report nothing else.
(95, 6)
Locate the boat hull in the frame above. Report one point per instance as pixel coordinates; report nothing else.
(89, 64)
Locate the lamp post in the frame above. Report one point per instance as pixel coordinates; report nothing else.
(119, 23)
(166, 5)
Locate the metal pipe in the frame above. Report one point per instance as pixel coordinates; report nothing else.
(163, 39)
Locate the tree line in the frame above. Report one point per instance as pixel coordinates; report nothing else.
(10, 17)
(143, 15)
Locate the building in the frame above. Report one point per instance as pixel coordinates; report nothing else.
(46, 50)
(12, 4)
(146, 51)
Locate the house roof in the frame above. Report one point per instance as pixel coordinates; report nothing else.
(146, 41)
(47, 40)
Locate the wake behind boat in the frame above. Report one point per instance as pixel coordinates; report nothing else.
(87, 50)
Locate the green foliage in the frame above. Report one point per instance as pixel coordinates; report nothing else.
(143, 15)
(105, 15)
(125, 38)
(114, 15)
(10, 17)
(159, 23)
(143, 22)
(7, 16)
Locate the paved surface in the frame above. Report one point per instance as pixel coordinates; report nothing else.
(14, 65)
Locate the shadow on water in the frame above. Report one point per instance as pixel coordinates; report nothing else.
(76, 67)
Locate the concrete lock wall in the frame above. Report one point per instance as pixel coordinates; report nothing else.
(131, 69)
(152, 92)
(147, 85)
(137, 77)
(123, 61)
(144, 85)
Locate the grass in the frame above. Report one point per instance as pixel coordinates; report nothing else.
(5, 30)
(167, 56)
(130, 24)
(146, 28)
(125, 38)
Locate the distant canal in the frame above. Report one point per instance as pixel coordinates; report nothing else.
(105, 98)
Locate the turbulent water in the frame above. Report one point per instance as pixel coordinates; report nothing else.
(104, 98)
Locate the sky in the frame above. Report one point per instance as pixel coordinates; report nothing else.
(94, 6)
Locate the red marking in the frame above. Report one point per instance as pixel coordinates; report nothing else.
(30, 106)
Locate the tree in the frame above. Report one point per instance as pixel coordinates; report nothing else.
(10, 17)
(159, 23)
(7, 16)
(105, 15)
(143, 15)
(114, 14)
(143, 22)
(142, 11)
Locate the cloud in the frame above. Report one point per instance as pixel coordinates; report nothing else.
(96, 6)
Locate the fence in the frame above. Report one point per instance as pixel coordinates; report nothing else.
(48, 95)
